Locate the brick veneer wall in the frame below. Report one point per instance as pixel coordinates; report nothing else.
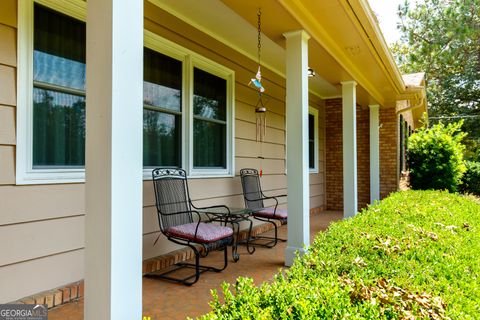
(388, 152)
(334, 155)
(363, 156)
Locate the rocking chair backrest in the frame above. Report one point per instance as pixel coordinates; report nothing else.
(252, 191)
(171, 195)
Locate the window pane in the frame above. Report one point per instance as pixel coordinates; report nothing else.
(161, 139)
(59, 49)
(311, 127)
(58, 116)
(209, 147)
(209, 95)
(162, 85)
(58, 129)
(311, 154)
(311, 141)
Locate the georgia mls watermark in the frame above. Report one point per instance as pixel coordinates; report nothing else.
(23, 312)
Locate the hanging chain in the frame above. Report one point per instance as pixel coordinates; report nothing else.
(259, 28)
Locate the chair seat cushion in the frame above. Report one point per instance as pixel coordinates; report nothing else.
(280, 214)
(206, 233)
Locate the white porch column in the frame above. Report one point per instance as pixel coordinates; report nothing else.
(113, 222)
(297, 144)
(374, 153)
(349, 122)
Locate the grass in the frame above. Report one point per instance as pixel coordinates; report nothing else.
(414, 255)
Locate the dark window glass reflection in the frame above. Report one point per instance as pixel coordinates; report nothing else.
(311, 141)
(58, 129)
(209, 126)
(59, 49)
(162, 85)
(161, 139)
(209, 147)
(209, 95)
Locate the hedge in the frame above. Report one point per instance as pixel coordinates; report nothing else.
(435, 157)
(471, 178)
(414, 255)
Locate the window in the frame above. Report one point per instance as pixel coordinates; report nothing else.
(313, 140)
(162, 113)
(58, 90)
(51, 91)
(188, 100)
(209, 120)
(188, 110)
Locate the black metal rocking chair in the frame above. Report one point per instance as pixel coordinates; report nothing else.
(176, 219)
(254, 197)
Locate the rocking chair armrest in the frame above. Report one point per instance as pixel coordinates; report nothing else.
(275, 196)
(265, 198)
(212, 215)
(258, 199)
(175, 213)
(183, 212)
(213, 207)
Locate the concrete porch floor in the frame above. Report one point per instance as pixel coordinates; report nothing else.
(165, 300)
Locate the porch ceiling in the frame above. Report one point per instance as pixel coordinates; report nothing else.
(342, 48)
(346, 43)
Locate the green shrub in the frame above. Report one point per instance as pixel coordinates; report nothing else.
(471, 178)
(435, 157)
(472, 150)
(414, 255)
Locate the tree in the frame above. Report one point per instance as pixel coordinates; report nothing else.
(442, 38)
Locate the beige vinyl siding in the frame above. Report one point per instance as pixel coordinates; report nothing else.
(7, 79)
(7, 165)
(21, 204)
(7, 125)
(41, 238)
(8, 46)
(8, 64)
(37, 275)
(42, 226)
(8, 13)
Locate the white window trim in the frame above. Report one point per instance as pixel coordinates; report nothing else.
(170, 49)
(191, 60)
(228, 75)
(314, 112)
(25, 174)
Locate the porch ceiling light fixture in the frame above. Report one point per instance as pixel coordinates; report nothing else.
(311, 72)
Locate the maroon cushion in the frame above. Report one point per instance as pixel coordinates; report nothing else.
(268, 213)
(206, 233)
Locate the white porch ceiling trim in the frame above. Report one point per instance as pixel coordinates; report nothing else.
(242, 38)
(298, 10)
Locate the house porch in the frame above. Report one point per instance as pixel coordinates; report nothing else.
(165, 300)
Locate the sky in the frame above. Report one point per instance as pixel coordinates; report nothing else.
(386, 11)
